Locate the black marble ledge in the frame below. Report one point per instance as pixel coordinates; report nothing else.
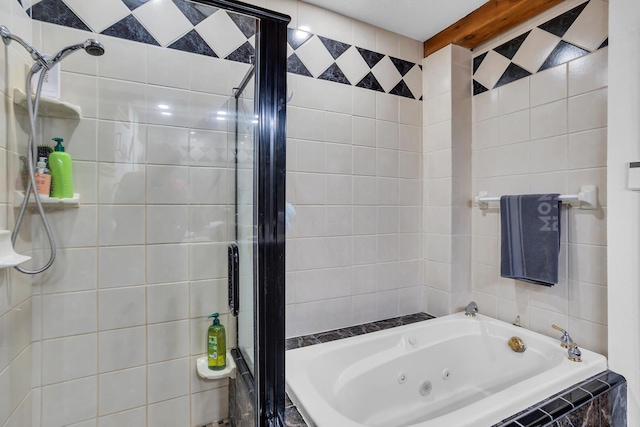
(352, 331)
(595, 402)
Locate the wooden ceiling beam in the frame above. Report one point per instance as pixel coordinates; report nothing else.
(488, 21)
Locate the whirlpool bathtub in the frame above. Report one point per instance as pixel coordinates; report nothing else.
(453, 371)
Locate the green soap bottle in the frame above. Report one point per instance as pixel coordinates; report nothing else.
(216, 345)
(61, 172)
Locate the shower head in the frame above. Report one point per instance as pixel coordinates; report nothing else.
(91, 46)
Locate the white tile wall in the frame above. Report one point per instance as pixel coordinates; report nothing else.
(446, 137)
(134, 271)
(112, 319)
(559, 145)
(357, 193)
(16, 301)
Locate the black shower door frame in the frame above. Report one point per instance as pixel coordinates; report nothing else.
(269, 253)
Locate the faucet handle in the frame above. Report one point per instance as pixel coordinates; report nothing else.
(471, 309)
(565, 339)
(574, 353)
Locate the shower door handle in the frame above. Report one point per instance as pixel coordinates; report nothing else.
(233, 261)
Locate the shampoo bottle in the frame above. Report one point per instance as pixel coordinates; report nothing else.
(61, 172)
(43, 179)
(216, 345)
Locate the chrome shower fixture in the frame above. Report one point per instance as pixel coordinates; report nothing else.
(7, 37)
(91, 46)
(42, 63)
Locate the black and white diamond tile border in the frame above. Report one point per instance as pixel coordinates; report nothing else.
(568, 36)
(319, 57)
(207, 30)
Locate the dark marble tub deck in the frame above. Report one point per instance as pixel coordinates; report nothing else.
(292, 416)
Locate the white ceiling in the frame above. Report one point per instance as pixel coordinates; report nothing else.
(418, 19)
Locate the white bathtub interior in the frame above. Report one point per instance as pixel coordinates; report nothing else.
(463, 366)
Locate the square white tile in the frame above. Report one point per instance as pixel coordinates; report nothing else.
(166, 67)
(121, 183)
(122, 390)
(73, 270)
(121, 266)
(167, 263)
(514, 96)
(535, 49)
(352, 65)
(167, 224)
(121, 225)
(168, 380)
(122, 348)
(591, 27)
(121, 308)
(548, 85)
(99, 19)
(588, 72)
(210, 405)
(315, 56)
(167, 302)
(163, 19)
(68, 402)
(168, 341)
(491, 69)
(549, 120)
(386, 73)
(122, 60)
(69, 314)
(69, 358)
(588, 111)
(221, 33)
(208, 261)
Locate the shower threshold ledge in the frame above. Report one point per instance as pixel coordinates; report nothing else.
(49, 107)
(203, 369)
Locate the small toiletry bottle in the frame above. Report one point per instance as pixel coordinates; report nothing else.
(61, 172)
(43, 179)
(216, 345)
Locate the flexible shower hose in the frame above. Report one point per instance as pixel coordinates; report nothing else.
(32, 158)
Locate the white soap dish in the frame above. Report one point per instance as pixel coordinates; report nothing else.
(9, 257)
(204, 371)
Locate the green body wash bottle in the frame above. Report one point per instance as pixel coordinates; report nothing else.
(61, 173)
(216, 345)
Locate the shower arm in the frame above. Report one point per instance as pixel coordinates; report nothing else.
(7, 37)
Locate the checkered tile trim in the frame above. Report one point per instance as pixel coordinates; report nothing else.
(572, 34)
(207, 30)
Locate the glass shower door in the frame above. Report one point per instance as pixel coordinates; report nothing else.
(246, 229)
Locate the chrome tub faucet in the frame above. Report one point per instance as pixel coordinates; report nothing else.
(565, 339)
(471, 309)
